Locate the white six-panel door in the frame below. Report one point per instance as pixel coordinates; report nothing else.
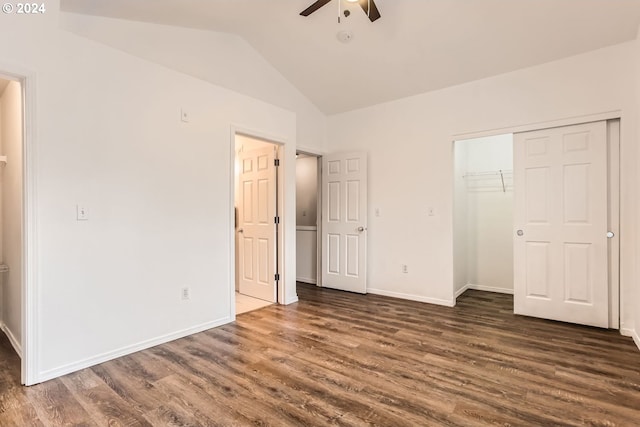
(256, 224)
(344, 222)
(560, 224)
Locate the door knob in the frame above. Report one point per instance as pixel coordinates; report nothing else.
(520, 233)
(610, 234)
(241, 230)
(361, 229)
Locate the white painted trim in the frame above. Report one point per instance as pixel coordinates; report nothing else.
(411, 297)
(30, 304)
(607, 115)
(291, 301)
(12, 339)
(613, 218)
(460, 291)
(631, 333)
(110, 355)
(310, 151)
(306, 280)
(490, 289)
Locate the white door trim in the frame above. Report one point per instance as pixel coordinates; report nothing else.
(318, 156)
(30, 309)
(613, 247)
(568, 121)
(282, 178)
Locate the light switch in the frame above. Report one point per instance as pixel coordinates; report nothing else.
(82, 214)
(184, 116)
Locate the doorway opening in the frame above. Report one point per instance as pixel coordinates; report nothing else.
(308, 220)
(11, 224)
(483, 214)
(257, 222)
(551, 239)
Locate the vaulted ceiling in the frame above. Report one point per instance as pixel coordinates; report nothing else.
(417, 45)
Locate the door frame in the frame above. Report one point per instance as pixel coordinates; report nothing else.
(318, 156)
(30, 286)
(280, 208)
(614, 190)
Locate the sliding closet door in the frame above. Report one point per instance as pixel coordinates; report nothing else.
(560, 218)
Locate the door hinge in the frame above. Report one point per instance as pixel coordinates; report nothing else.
(276, 162)
(277, 277)
(277, 220)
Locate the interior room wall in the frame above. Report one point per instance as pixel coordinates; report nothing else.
(11, 228)
(306, 218)
(489, 213)
(223, 59)
(108, 134)
(411, 165)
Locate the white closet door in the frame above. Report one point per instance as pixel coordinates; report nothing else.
(560, 219)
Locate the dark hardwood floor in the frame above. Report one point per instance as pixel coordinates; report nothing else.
(342, 359)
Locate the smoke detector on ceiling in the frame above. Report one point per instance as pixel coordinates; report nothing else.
(345, 36)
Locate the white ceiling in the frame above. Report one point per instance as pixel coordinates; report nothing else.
(417, 45)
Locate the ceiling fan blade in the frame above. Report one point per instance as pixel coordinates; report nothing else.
(315, 6)
(374, 13)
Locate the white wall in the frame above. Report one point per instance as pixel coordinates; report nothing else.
(223, 59)
(11, 228)
(108, 134)
(411, 165)
(484, 214)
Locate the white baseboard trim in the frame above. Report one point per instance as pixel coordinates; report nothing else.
(411, 297)
(12, 339)
(291, 301)
(631, 333)
(110, 355)
(461, 291)
(489, 289)
(307, 280)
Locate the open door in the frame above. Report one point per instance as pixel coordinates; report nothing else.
(344, 222)
(257, 223)
(560, 219)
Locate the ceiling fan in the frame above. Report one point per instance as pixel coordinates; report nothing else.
(369, 7)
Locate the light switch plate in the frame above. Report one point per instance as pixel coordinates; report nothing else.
(82, 213)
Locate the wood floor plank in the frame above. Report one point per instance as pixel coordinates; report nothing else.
(341, 359)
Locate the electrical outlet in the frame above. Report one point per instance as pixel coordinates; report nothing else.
(405, 268)
(186, 294)
(430, 212)
(377, 211)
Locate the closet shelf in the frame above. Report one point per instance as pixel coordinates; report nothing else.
(502, 176)
(4, 268)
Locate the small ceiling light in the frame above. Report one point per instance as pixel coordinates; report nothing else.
(352, 1)
(345, 36)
